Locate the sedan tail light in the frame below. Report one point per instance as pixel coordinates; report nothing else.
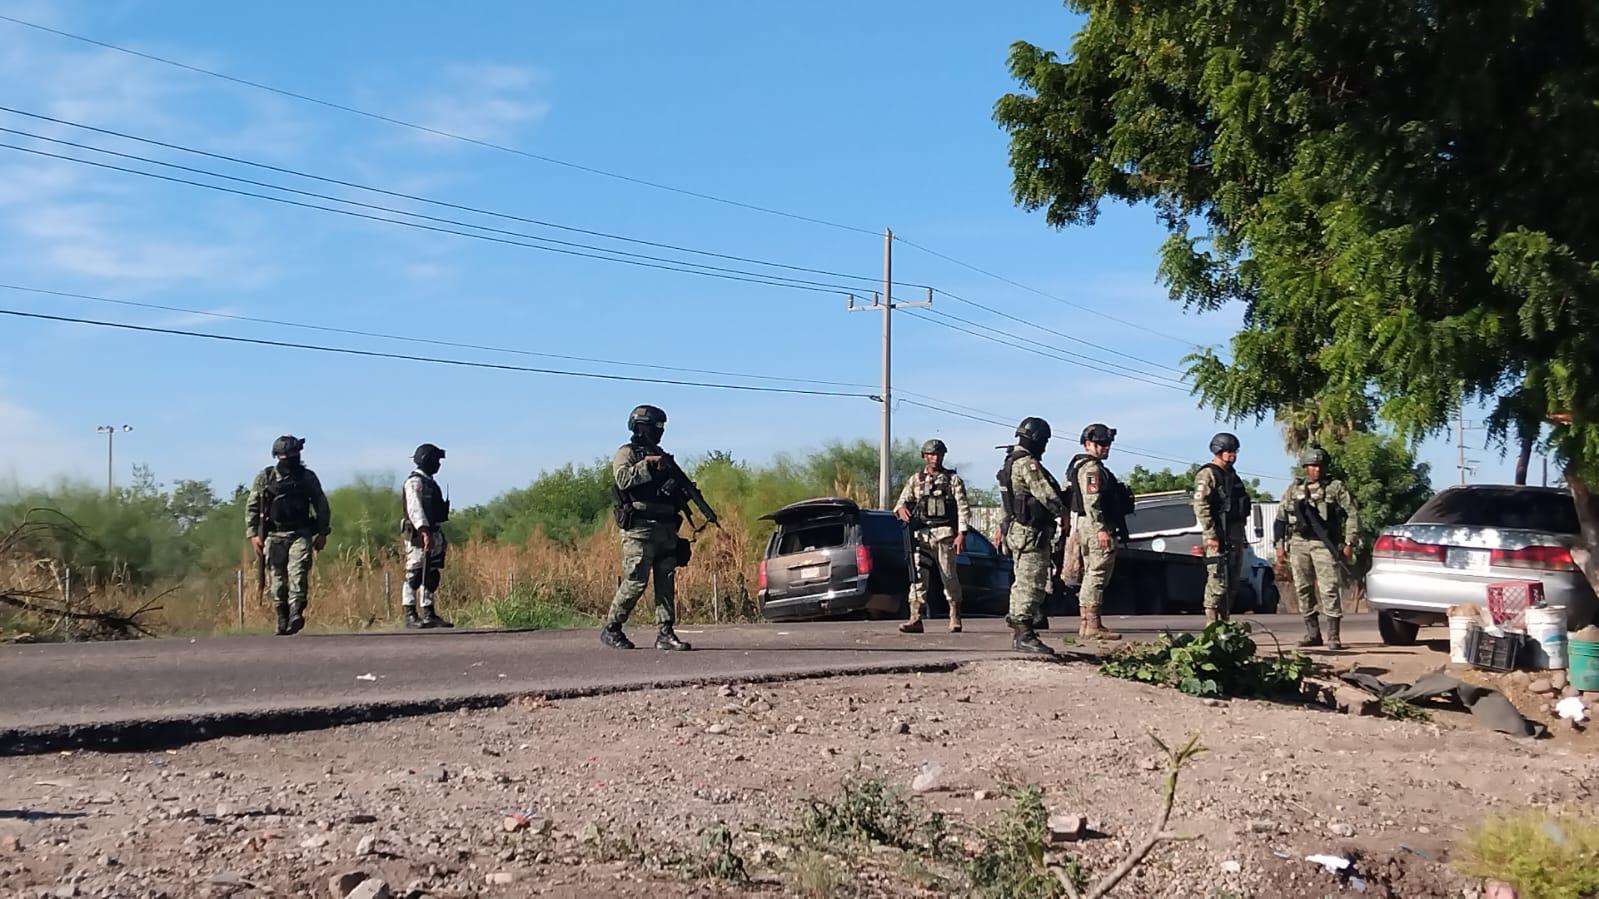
(760, 576)
(863, 560)
(1390, 546)
(1547, 558)
(1196, 550)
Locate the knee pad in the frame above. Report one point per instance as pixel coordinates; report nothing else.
(413, 577)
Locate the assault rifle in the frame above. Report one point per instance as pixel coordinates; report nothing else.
(680, 485)
(260, 556)
(1318, 526)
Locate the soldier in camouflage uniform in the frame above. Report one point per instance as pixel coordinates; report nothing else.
(1221, 503)
(286, 519)
(646, 510)
(1316, 511)
(934, 500)
(1033, 506)
(1099, 506)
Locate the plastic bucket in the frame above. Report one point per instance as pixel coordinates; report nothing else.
(1546, 637)
(1459, 629)
(1584, 664)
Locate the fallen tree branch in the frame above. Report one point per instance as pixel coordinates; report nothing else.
(1158, 833)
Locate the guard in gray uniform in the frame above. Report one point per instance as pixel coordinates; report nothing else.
(426, 510)
(645, 498)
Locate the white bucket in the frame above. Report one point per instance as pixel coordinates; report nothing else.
(1546, 636)
(1459, 627)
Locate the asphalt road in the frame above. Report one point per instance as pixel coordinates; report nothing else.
(151, 693)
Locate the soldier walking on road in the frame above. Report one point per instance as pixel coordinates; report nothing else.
(1316, 512)
(934, 502)
(1099, 507)
(1221, 503)
(645, 498)
(426, 510)
(1032, 506)
(286, 519)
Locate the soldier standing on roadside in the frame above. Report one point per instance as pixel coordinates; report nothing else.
(1221, 503)
(426, 510)
(1316, 511)
(1099, 506)
(286, 519)
(1032, 506)
(936, 498)
(645, 501)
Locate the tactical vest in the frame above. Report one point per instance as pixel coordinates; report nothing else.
(1024, 508)
(937, 505)
(652, 500)
(1233, 504)
(1115, 500)
(286, 500)
(434, 506)
(1302, 507)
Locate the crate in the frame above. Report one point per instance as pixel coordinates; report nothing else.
(1484, 650)
(1508, 602)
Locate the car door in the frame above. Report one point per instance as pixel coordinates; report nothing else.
(983, 572)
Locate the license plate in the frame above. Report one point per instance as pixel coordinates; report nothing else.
(815, 571)
(1467, 559)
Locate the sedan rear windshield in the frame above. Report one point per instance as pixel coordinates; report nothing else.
(1507, 507)
(806, 537)
(1166, 517)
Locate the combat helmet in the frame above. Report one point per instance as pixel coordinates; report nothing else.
(935, 446)
(287, 445)
(1033, 433)
(1313, 455)
(427, 452)
(1224, 443)
(650, 419)
(1103, 435)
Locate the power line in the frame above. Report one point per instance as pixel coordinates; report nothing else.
(1049, 296)
(439, 132)
(621, 256)
(1113, 366)
(428, 200)
(1050, 353)
(419, 340)
(436, 360)
(1071, 337)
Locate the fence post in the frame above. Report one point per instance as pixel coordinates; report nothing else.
(238, 586)
(716, 600)
(510, 582)
(388, 599)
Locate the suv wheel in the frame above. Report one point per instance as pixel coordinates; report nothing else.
(1272, 597)
(1396, 631)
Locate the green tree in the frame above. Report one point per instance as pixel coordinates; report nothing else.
(1402, 195)
(1141, 480)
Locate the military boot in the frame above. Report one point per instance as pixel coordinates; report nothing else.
(296, 617)
(1040, 623)
(911, 627)
(411, 621)
(1312, 635)
(1025, 639)
(430, 618)
(668, 640)
(1333, 643)
(1210, 616)
(611, 635)
(283, 619)
(1094, 628)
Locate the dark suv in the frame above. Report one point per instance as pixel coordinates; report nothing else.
(829, 558)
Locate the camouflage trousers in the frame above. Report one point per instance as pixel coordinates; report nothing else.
(939, 548)
(288, 563)
(648, 550)
(1222, 575)
(1316, 576)
(1098, 564)
(1029, 549)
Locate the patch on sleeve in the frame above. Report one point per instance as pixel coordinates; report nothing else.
(1093, 484)
(1033, 465)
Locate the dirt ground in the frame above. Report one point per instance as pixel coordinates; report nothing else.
(618, 790)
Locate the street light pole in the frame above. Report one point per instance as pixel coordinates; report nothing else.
(110, 432)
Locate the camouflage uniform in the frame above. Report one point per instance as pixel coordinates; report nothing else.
(288, 547)
(1216, 501)
(1314, 568)
(649, 545)
(929, 495)
(1098, 564)
(1030, 546)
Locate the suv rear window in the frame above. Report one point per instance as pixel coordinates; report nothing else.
(806, 537)
(1162, 517)
(882, 528)
(1502, 507)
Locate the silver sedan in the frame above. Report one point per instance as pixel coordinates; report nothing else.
(1466, 538)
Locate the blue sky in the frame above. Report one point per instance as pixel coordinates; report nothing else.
(870, 115)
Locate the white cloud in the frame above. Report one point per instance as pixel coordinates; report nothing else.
(484, 102)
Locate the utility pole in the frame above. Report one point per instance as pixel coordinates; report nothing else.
(110, 432)
(1466, 466)
(885, 302)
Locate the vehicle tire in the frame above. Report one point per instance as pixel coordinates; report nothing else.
(1396, 632)
(1273, 597)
